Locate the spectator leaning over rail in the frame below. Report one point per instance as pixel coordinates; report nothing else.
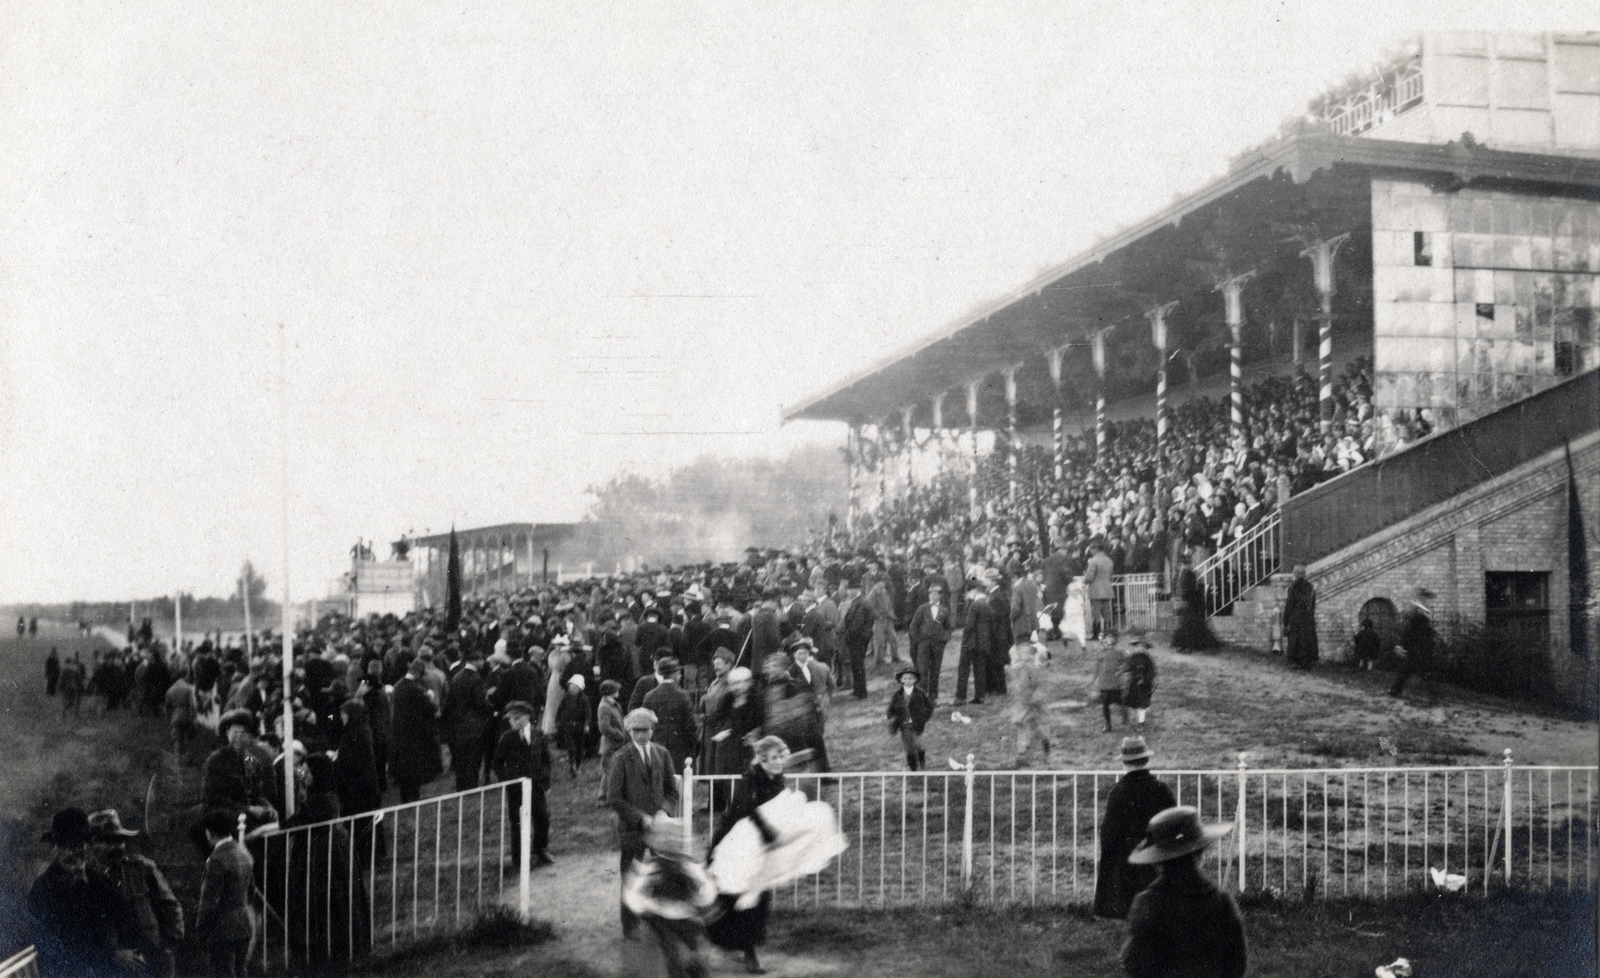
(1182, 924)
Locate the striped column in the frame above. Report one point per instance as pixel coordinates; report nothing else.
(1321, 255)
(972, 432)
(1232, 289)
(911, 447)
(852, 440)
(1011, 433)
(881, 435)
(1158, 335)
(1058, 441)
(1097, 345)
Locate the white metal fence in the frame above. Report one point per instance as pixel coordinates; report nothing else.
(23, 964)
(334, 891)
(1033, 837)
(1135, 601)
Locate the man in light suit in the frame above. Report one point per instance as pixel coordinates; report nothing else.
(815, 675)
(223, 921)
(1097, 585)
(640, 787)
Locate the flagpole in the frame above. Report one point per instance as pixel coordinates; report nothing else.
(249, 637)
(288, 626)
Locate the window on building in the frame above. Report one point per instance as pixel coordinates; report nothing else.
(1422, 248)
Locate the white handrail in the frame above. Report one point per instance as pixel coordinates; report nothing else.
(1236, 568)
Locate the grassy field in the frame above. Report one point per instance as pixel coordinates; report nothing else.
(1208, 710)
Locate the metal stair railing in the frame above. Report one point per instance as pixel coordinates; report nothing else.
(1241, 565)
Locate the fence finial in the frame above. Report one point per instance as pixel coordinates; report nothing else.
(1507, 761)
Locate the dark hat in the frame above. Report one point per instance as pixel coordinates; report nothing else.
(1134, 749)
(724, 652)
(68, 827)
(108, 825)
(240, 717)
(906, 669)
(668, 665)
(1173, 833)
(520, 706)
(608, 687)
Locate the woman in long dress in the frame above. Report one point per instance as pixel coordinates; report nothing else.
(1192, 632)
(744, 929)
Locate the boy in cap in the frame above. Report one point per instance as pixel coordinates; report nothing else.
(223, 921)
(1182, 923)
(522, 752)
(149, 919)
(909, 711)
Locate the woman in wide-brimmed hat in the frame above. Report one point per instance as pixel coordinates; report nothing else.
(1182, 923)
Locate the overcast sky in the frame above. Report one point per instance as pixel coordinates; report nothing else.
(517, 247)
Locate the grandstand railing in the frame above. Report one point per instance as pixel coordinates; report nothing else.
(1329, 517)
(1379, 104)
(1236, 568)
(1033, 837)
(23, 964)
(339, 890)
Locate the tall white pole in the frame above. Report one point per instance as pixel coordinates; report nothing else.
(288, 624)
(177, 623)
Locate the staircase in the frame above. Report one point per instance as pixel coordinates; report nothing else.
(1236, 568)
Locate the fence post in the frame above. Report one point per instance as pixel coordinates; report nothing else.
(1505, 804)
(688, 804)
(1238, 821)
(525, 840)
(966, 828)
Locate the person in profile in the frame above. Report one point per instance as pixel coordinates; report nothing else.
(1182, 924)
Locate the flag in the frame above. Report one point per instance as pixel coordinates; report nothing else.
(452, 587)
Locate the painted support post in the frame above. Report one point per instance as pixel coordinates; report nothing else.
(1011, 433)
(1058, 440)
(852, 442)
(910, 447)
(966, 825)
(1097, 344)
(972, 431)
(1232, 290)
(1322, 255)
(1158, 335)
(177, 623)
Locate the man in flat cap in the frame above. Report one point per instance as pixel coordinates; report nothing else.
(149, 918)
(640, 787)
(523, 752)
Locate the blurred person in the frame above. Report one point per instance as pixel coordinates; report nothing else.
(1417, 639)
(1109, 677)
(1098, 587)
(1141, 672)
(73, 912)
(671, 893)
(1028, 718)
(149, 919)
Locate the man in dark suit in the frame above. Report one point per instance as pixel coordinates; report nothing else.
(674, 710)
(523, 752)
(639, 788)
(977, 634)
(468, 716)
(928, 635)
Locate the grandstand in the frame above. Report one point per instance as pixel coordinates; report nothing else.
(1370, 346)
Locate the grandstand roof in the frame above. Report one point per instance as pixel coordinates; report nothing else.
(539, 532)
(1250, 218)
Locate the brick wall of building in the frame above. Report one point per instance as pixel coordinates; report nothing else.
(1515, 522)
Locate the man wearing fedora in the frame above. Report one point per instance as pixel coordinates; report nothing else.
(1182, 924)
(1136, 798)
(909, 712)
(523, 752)
(72, 907)
(149, 918)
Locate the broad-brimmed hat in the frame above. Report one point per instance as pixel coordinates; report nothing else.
(236, 718)
(1134, 749)
(68, 827)
(520, 706)
(107, 824)
(906, 669)
(1173, 833)
(640, 719)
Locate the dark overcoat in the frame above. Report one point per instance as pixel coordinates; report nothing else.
(1131, 803)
